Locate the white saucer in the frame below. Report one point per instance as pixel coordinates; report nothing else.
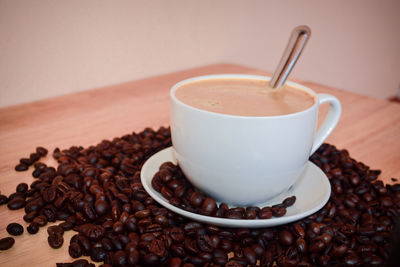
(312, 191)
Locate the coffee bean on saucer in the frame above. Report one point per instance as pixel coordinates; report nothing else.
(265, 214)
(250, 214)
(185, 196)
(196, 199)
(287, 202)
(278, 211)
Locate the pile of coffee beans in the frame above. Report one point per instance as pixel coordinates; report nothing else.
(174, 186)
(96, 191)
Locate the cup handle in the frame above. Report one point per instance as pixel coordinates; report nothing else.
(332, 118)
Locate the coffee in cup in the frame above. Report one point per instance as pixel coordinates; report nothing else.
(243, 97)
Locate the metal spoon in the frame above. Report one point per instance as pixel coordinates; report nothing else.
(297, 42)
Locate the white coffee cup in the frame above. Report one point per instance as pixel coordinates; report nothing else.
(244, 160)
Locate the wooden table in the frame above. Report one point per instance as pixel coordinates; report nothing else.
(369, 128)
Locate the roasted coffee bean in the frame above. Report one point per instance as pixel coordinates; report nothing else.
(41, 151)
(34, 157)
(143, 214)
(101, 206)
(250, 255)
(118, 228)
(120, 258)
(108, 245)
(80, 263)
(179, 190)
(75, 250)
(226, 245)
(97, 254)
(285, 237)
(133, 257)
(197, 261)
(323, 260)
(301, 245)
(130, 223)
(84, 242)
(41, 220)
(287, 202)
(17, 195)
(15, 229)
(316, 246)
(55, 229)
(33, 228)
(94, 232)
(22, 188)
(298, 230)
(234, 214)
(204, 243)
(55, 240)
(3, 199)
(40, 166)
(118, 245)
(326, 237)
(151, 259)
(21, 167)
(66, 226)
(34, 206)
(314, 228)
(62, 215)
(175, 262)
(177, 234)
(167, 193)
(265, 214)
(196, 199)
(209, 206)
(178, 250)
(16, 203)
(352, 259)
(251, 214)
(165, 175)
(239, 260)
(25, 161)
(6, 243)
(278, 211)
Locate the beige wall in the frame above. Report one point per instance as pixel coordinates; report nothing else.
(50, 48)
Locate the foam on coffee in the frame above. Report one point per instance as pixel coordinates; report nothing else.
(243, 97)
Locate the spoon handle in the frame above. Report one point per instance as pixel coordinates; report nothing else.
(297, 42)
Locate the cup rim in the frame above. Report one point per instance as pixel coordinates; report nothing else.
(241, 76)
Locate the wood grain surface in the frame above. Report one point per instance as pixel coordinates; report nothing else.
(369, 129)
